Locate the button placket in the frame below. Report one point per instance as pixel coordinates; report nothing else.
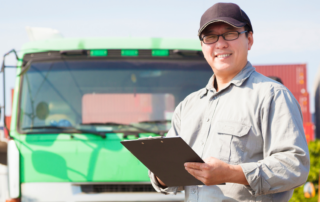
(207, 119)
(193, 196)
(209, 116)
(200, 142)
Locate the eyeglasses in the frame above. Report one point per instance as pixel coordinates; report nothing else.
(228, 36)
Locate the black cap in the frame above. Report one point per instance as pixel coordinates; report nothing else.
(229, 13)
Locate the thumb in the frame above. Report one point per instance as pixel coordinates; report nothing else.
(205, 166)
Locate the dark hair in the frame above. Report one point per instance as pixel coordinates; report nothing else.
(247, 28)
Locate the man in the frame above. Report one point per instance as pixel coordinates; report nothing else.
(247, 127)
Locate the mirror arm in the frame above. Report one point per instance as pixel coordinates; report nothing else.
(4, 57)
(4, 104)
(25, 68)
(4, 87)
(12, 51)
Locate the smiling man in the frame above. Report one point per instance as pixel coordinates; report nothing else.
(247, 127)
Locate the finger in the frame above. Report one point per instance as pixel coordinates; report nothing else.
(193, 165)
(202, 179)
(205, 166)
(196, 173)
(199, 175)
(210, 160)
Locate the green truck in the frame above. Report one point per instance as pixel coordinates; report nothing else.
(76, 99)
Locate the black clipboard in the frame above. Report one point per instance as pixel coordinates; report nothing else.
(165, 157)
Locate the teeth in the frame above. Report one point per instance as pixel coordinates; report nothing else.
(223, 56)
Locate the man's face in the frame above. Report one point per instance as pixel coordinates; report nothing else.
(226, 58)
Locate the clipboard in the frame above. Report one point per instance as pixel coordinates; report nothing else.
(165, 157)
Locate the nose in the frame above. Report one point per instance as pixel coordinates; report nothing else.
(221, 43)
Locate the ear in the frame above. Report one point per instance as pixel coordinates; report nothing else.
(250, 40)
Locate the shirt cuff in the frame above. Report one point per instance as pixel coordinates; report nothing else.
(158, 187)
(257, 184)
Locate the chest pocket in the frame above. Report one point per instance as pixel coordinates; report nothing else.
(233, 137)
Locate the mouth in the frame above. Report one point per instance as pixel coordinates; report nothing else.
(223, 55)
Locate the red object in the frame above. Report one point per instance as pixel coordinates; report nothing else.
(13, 200)
(303, 100)
(120, 108)
(123, 108)
(308, 131)
(8, 123)
(293, 76)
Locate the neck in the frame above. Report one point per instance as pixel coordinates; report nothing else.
(222, 79)
(220, 83)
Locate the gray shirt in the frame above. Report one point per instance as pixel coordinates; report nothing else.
(254, 122)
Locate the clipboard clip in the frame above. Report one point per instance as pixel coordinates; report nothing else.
(150, 137)
(125, 135)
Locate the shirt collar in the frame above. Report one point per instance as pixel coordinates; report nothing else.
(237, 80)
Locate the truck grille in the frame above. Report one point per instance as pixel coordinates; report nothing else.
(99, 188)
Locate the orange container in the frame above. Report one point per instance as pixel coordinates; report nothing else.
(309, 131)
(293, 76)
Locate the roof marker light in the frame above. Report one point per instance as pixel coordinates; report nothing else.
(129, 52)
(98, 53)
(160, 52)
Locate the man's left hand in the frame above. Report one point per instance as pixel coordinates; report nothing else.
(215, 171)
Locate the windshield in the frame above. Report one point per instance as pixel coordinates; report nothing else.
(107, 95)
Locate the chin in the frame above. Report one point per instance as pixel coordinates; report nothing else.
(223, 67)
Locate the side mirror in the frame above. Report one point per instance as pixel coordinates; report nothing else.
(25, 68)
(42, 110)
(308, 190)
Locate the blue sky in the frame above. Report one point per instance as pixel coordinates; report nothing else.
(285, 32)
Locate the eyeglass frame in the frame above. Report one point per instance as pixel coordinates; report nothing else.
(222, 35)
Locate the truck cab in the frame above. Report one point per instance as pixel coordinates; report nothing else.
(76, 99)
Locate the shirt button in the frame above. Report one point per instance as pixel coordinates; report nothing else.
(202, 143)
(208, 120)
(193, 191)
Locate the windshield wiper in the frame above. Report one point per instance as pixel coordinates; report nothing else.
(68, 129)
(161, 133)
(156, 121)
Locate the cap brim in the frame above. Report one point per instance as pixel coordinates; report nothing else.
(230, 21)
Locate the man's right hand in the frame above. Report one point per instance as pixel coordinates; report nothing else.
(161, 183)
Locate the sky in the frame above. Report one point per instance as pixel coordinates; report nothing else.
(285, 31)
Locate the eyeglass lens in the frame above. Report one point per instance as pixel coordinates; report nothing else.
(229, 36)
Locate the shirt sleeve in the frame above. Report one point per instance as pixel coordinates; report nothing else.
(174, 131)
(286, 160)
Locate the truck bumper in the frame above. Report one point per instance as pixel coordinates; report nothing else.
(69, 192)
